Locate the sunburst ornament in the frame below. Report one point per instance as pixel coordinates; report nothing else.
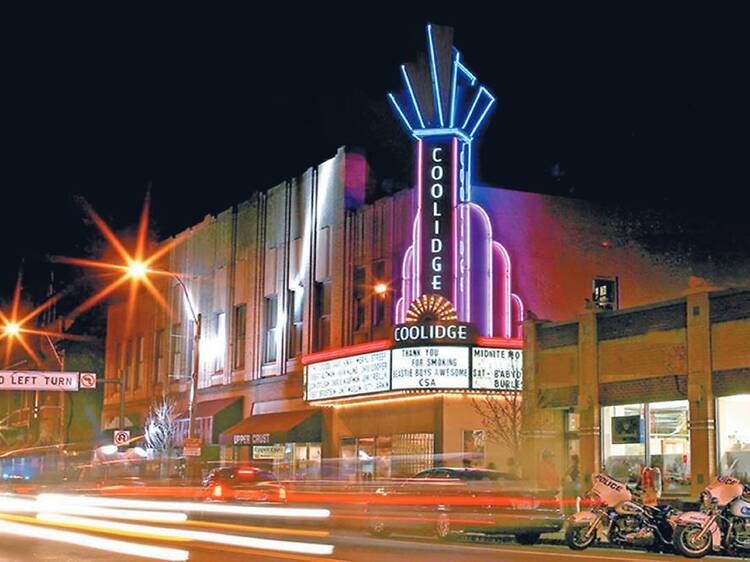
(431, 308)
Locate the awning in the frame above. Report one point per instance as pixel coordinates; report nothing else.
(298, 426)
(210, 408)
(224, 413)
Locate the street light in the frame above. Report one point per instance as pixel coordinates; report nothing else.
(381, 289)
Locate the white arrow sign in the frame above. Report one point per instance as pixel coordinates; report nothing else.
(39, 380)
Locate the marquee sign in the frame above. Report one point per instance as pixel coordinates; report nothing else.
(430, 367)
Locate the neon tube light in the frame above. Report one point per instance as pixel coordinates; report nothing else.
(400, 112)
(513, 343)
(454, 79)
(484, 114)
(411, 94)
(435, 78)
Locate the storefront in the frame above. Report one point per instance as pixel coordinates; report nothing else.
(733, 429)
(289, 443)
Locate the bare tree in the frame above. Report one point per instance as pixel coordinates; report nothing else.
(161, 425)
(501, 418)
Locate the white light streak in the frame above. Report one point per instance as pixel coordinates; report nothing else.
(89, 541)
(185, 534)
(204, 507)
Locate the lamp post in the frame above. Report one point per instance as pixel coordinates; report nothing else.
(139, 270)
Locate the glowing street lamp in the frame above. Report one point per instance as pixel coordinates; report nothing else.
(381, 289)
(12, 329)
(138, 268)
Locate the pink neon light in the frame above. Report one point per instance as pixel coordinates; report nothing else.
(417, 284)
(488, 247)
(513, 343)
(504, 281)
(377, 345)
(400, 310)
(454, 241)
(518, 314)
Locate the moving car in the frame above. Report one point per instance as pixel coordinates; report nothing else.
(445, 500)
(247, 483)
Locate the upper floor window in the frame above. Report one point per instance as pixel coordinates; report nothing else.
(322, 315)
(218, 346)
(296, 307)
(240, 330)
(270, 317)
(359, 297)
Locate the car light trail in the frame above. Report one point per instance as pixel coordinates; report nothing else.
(306, 513)
(131, 515)
(166, 533)
(88, 541)
(256, 529)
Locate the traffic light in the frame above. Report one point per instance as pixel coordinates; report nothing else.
(35, 412)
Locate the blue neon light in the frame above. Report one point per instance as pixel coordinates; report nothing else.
(484, 114)
(473, 106)
(411, 94)
(456, 58)
(419, 133)
(435, 79)
(469, 75)
(400, 111)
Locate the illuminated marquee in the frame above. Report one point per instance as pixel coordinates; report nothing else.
(452, 252)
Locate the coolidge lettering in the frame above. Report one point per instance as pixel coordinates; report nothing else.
(422, 332)
(437, 217)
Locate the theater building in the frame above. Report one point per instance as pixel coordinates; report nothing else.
(339, 324)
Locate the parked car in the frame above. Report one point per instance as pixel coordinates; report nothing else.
(444, 500)
(243, 484)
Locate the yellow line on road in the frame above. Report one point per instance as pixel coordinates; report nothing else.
(254, 529)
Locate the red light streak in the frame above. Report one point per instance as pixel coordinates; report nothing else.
(377, 345)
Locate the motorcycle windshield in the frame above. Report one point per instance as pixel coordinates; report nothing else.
(609, 491)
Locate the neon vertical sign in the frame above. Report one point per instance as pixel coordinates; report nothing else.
(451, 253)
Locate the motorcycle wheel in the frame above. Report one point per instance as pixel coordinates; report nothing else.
(575, 537)
(685, 541)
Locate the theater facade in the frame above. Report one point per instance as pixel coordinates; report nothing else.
(339, 324)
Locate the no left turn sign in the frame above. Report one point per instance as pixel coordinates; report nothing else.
(121, 437)
(88, 380)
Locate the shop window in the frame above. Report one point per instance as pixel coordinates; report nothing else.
(219, 341)
(239, 328)
(626, 450)
(359, 297)
(322, 315)
(733, 432)
(138, 362)
(296, 304)
(270, 315)
(158, 355)
(178, 346)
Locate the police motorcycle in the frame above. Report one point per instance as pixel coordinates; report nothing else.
(616, 515)
(723, 521)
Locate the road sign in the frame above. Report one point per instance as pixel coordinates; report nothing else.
(191, 447)
(121, 437)
(39, 380)
(87, 380)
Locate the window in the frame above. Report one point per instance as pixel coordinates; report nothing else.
(655, 435)
(606, 293)
(359, 297)
(218, 345)
(296, 305)
(240, 330)
(378, 300)
(322, 315)
(270, 316)
(178, 343)
(128, 371)
(117, 362)
(138, 367)
(158, 355)
(733, 433)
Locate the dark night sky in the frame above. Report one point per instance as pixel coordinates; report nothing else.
(637, 105)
